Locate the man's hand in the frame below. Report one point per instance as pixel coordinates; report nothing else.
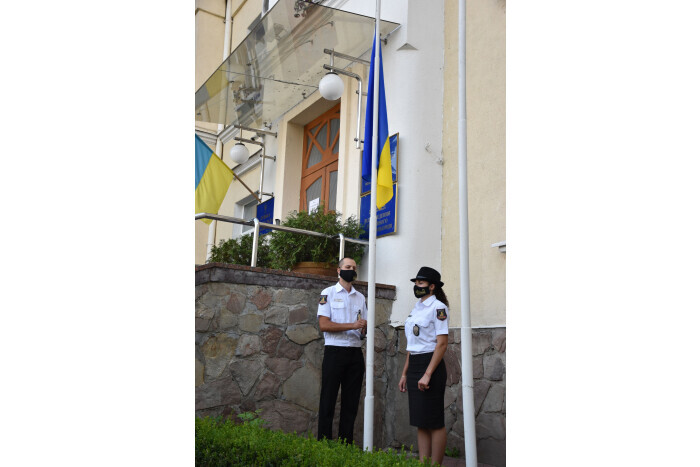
(326, 325)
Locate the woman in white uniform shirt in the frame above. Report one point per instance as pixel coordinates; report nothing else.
(424, 373)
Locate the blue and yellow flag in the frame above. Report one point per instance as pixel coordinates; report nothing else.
(212, 178)
(385, 190)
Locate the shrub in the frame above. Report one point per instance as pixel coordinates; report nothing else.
(224, 443)
(240, 250)
(289, 248)
(282, 250)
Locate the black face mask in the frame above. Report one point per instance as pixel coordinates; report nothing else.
(348, 275)
(421, 292)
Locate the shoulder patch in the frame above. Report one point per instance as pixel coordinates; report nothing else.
(323, 300)
(441, 314)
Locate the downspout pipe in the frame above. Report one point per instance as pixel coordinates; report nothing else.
(466, 334)
(211, 238)
(227, 30)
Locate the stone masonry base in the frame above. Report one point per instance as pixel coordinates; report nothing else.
(257, 346)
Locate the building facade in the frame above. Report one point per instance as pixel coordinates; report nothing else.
(260, 71)
(420, 56)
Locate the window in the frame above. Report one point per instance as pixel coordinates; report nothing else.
(250, 211)
(319, 173)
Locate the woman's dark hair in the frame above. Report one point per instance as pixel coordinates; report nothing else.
(440, 295)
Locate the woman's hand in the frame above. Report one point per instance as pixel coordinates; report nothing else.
(423, 382)
(402, 384)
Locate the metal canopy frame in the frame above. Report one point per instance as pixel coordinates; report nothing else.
(281, 61)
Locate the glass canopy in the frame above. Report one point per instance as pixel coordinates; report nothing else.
(281, 61)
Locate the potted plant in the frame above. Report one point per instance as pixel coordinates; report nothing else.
(288, 250)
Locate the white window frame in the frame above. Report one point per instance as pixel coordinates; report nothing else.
(241, 205)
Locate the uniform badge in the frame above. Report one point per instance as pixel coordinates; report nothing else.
(323, 300)
(416, 330)
(441, 314)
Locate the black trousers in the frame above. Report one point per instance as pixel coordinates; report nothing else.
(342, 367)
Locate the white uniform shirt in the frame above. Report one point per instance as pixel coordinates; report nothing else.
(425, 318)
(342, 306)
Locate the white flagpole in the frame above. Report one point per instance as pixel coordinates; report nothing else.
(371, 280)
(466, 347)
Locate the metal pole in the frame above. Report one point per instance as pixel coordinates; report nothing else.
(263, 156)
(466, 346)
(349, 58)
(262, 170)
(211, 237)
(359, 111)
(258, 198)
(371, 282)
(256, 234)
(333, 54)
(255, 130)
(359, 96)
(342, 247)
(265, 225)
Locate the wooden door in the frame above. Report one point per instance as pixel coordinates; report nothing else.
(319, 173)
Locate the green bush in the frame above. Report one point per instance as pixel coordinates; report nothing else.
(282, 250)
(224, 443)
(240, 250)
(289, 248)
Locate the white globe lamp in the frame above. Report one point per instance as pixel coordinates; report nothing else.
(331, 87)
(239, 153)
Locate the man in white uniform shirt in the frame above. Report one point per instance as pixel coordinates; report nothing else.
(342, 316)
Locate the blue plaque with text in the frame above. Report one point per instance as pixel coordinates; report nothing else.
(265, 212)
(386, 216)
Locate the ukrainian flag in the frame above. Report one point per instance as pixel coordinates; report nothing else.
(385, 190)
(212, 178)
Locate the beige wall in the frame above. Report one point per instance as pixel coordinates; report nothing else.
(209, 38)
(209, 32)
(486, 155)
(243, 12)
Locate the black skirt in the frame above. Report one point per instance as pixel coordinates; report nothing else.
(426, 408)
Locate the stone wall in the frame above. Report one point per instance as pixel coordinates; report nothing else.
(257, 346)
(488, 372)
